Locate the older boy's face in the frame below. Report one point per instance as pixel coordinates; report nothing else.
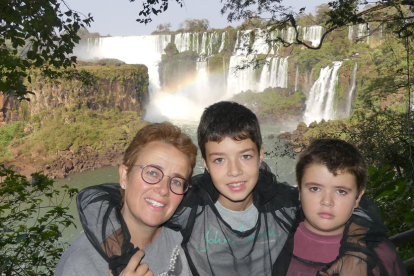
(327, 200)
(234, 169)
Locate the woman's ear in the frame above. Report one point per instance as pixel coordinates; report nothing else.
(123, 176)
(359, 198)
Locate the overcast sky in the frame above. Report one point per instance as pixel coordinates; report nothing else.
(117, 17)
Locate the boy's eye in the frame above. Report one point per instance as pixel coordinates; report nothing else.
(314, 189)
(218, 160)
(247, 157)
(342, 192)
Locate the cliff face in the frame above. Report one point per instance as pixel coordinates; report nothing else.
(122, 87)
(59, 111)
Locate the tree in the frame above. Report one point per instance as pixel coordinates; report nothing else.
(36, 34)
(32, 217)
(195, 25)
(339, 14)
(163, 29)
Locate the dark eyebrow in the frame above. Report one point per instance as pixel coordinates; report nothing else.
(222, 153)
(343, 188)
(313, 184)
(320, 185)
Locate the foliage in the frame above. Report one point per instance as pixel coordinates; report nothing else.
(9, 132)
(333, 16)
(194, 25)
(273, 102)
(32, 218)
(171, 49)
(36, 34)
(101, 130)
(394, 196)
(162, 29)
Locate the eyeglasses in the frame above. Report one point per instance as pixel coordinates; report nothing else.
(153, 175)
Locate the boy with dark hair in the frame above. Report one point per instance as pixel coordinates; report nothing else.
(331, 175)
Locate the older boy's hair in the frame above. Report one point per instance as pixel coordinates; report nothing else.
(228, 119)
(337, 155)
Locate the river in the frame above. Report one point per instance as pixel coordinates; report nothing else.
(282, 167)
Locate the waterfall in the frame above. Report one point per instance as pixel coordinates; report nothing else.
(198, 86)
(351, 92)
(313, 34)
(182, 41)
(319, 104)
(130, 49)
(223, 40)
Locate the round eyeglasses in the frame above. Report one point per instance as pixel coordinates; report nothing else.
(153, 175)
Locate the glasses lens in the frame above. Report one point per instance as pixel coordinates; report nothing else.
(178, 185)
(151, 174)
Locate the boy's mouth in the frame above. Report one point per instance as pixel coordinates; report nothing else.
(236, 184)
(326, 215)
(154, 203)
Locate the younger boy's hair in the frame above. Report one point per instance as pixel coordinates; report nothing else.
(228, 119)
(337, 155)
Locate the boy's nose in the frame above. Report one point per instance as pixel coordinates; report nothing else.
(327, 200)
(234, 169)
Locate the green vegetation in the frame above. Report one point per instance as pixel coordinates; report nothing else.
(14, 130)
(272, 103)
(32, 217)
(100, 130)
(194, 26)
(36, 34)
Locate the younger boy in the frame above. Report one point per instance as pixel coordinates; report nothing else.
(331, 176)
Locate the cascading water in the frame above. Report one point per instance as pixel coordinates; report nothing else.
(187, 100)
(351, 92)
(313, 34)
(130, 49)
(319, 104)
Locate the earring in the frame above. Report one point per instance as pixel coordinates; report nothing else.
(123, 186)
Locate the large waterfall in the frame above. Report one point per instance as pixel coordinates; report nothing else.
(319, 104)
(186, 100)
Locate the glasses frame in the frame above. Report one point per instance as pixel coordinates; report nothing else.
(162, 177)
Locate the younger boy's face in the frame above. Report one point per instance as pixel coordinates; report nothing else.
(327, 200)
(234, 169)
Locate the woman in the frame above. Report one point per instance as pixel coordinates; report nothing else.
(154, 177)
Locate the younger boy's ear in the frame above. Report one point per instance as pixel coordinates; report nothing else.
(359, 198)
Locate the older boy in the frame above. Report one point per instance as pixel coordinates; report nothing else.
(331, 176)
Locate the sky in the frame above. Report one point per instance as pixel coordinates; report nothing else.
(117, 17)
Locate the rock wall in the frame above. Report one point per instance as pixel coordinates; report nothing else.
(122, 87)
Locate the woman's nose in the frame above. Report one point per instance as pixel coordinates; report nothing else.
(163, 187)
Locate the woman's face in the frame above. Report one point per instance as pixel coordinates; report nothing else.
(150, 205)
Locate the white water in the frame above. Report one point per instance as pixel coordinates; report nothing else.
(351, 92)
(188, 101)
(319, 104)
